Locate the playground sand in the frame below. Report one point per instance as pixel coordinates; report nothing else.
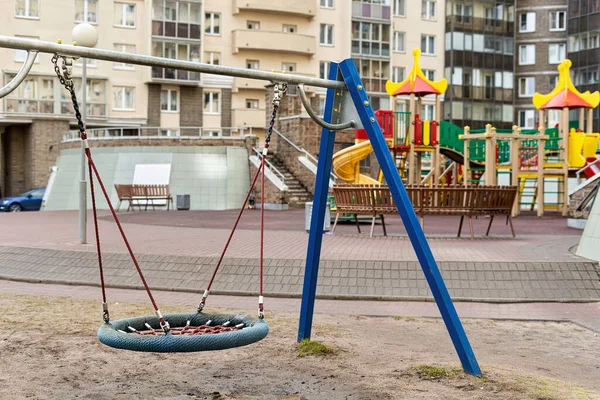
(49, 350)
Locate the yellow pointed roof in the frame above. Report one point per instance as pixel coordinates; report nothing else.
(416, 82)
(565, 94)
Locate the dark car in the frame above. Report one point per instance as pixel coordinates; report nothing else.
(28, 201)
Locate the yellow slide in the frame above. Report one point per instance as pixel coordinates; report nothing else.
(346, 163)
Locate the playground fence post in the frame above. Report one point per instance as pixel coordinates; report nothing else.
(540, 177)
(515, 145)
(467, 169)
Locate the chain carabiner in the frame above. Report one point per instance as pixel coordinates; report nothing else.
(66, 79)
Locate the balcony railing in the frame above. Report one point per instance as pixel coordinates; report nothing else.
(174, 74)
(234, 133)
(53, 107)
(368, 10)
(274, 41)
(306, 8)
(172, 29)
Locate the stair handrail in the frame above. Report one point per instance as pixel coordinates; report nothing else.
(303, 151)
(586, 167)
(269, 165)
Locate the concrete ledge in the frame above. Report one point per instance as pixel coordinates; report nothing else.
(577, 223)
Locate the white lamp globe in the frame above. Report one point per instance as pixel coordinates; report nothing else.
(85, 34)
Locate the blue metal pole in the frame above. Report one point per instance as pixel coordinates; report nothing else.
(409, 218)
(317, 219)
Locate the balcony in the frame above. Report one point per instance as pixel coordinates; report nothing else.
(254, 117)
(304, 8)
(170, 74)
(246, 83)
(179, 30)
(274, 41)
(50, 107)
(368, 10)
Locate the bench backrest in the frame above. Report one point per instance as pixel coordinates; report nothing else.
(123, 191)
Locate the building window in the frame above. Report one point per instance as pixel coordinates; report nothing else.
(86, 11)
(428, 44)
(288, 67)
(398, 74)
(125, 15)
(90, 62)
(527, 22)
(125, 48)
(326, 35)
(428, 9)
(176, 51)
(212, 23)
(326, 3)
(213, 58)
(464, 13)
(399, 42)
(211, 102)
(427, 112)
(527, 119)
(290, 28)
(252, 103)
(399, 7)
(169, 100)
(526, 87)
(553, 81)
(429, 74)
(558, 20)
(370, 39)
(527, 54)
(27, 8)
(494, 15)
(324, 69)
(594, 41)
(253, 25)
(176, 19)
(374, 74)
(557, 52)
(252, 64)
(21, 55)
(123, 98)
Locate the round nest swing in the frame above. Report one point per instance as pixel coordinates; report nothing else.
(188, 332)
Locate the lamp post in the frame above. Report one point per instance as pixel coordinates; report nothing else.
(85, 35)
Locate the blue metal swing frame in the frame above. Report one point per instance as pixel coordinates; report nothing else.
(346, 71)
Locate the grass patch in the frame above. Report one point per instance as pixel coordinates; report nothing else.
(308, 347)
(435, 372)
(408, 319)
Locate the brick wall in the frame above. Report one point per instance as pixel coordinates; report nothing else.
(272, 194)
(13, 144)
(191, 106)
(576, 198)
(153, 105)
(44, 141)
(225, 107)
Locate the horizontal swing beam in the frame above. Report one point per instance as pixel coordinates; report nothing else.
(151, 61)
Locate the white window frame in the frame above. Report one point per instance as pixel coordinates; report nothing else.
(428, 52)
(529, 20)
(211, 94)
(211, 57)
(526, 83)
(559, 59)
(123, 23)
(429, 10)
(169, 102)
(289, 28)
(286, 65)
(556, 19)
(429, 74)
(324, 33)
(526, 113)
(90, 62)
(427, 112)
(525, 47)
(28, 9)
(398, 74)
(399, 8)
(327, 4)
(122, 106)
(253, 62)
(253, 25)
(85, 12)
(252, 103)
(211, 26)
(123, 48)
(324, 66)
(399, 45)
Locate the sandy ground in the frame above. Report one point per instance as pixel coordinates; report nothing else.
(49, 350)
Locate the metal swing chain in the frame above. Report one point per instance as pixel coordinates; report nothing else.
(277, 96)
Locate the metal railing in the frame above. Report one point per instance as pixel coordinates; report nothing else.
(235, 133)
(271, 167)
(333, 177)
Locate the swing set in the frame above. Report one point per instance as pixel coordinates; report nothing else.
(346, 107)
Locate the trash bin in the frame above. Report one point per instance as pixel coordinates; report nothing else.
(308, 206)
(183, 201)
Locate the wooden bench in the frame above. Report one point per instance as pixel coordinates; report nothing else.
(460, 201)
(149, 193)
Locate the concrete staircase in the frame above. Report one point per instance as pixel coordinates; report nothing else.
(296, 194)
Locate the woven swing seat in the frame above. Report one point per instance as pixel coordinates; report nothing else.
(189, 333)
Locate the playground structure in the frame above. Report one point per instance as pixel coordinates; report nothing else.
(346, 106)
(534, 159)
